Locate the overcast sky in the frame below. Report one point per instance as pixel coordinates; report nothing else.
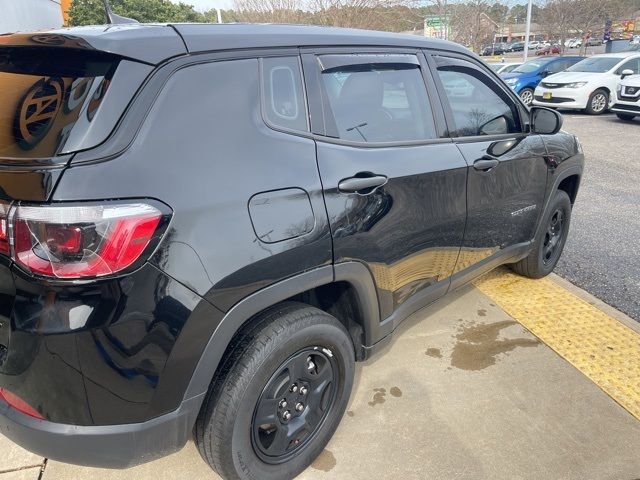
(208, 4)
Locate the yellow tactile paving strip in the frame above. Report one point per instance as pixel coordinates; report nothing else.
(605, 350)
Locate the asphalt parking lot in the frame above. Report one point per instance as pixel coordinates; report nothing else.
(602, 254)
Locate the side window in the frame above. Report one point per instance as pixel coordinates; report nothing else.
(379, 102)
(630, 65)
(557, 66)
(479, 106)
(282, 91)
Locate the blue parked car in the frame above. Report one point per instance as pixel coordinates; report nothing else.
(524, 79)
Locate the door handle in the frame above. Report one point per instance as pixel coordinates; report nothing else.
(486, 164)
(362, 185)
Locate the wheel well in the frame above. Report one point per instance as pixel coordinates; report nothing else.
(570, 185)
(340, 300)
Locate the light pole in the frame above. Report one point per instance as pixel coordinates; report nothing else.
(527, 30)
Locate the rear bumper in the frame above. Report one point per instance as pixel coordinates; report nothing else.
(113, 446)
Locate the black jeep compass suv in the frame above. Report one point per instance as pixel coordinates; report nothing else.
(203, 227)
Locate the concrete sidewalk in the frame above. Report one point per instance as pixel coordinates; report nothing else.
(463, 392)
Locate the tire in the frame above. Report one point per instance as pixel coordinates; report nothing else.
(625, 117)
(285, 341)
(527, 96)
(540, 262)
(598, 102)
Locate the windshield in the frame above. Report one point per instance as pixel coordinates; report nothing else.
(532, 66)
(43, 95)
(595, 64)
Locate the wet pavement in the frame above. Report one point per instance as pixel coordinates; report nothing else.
(602, 254)
(463, 391)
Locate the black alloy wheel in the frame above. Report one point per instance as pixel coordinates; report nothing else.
(280, 394)
(550, 238)
(553, 237)
(294, 404)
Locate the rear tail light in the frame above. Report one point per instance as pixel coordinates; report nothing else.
(18, 404)
(87, 241)
(4, 229)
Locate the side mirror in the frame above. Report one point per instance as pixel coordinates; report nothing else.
(545, 121)
(545, 73)
(626, 73)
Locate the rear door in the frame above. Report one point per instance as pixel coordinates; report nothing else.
(507, 165)
(394, 184)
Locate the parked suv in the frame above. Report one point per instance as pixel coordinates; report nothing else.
(626, 101)
(203, 227)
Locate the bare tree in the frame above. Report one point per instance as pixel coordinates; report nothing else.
(272, 11)
(579, 18)
(371, 14)
(471, 24)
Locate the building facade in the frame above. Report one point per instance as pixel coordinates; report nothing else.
(30, 15)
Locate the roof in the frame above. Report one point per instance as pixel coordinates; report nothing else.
(618, 54)
(153, 43)
(203, 37)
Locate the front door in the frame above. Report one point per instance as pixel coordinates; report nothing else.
(507, 166)
(394, 188)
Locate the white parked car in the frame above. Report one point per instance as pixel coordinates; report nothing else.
(504, 67)
(588, 85)
(626, 101)
(573, 43)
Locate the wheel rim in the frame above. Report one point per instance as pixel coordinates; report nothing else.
(527, 97)
(553, 237)
(599, 102)
(294, 404)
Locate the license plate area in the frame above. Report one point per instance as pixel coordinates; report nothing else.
(547, 95)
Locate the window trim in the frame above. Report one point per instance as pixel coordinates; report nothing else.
(321, 115)
(620, 68)
(523, 111)
(263, 96)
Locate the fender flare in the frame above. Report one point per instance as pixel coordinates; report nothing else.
(354, 273)
(566, 173)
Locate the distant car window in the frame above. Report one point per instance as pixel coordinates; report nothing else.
(595, 64)
(284, 102)
(557, 66)
(479, 105)
(379, 103)
(508, 68)
(531, 66)
(630, 65)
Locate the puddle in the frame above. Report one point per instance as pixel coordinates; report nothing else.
(395, 392)
(378, 397)
(433, 352)
(478, 346)
(325, 461)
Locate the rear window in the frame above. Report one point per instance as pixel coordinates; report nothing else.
(44, 94)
